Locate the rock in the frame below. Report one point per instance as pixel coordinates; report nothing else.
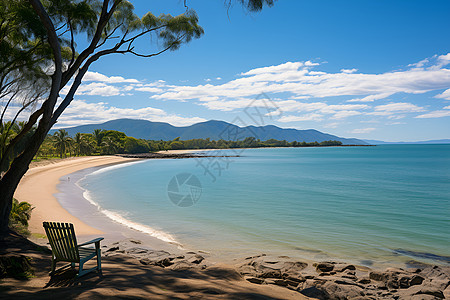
(223, 272)
(392, 283)
(292, 283)
(254, 279)
(247, 270)
(279, 282)
(347, 282)
(196, 259)
(409, 280)
(343, 267)
(256, 256)
(377, 276)
(342, 291)
(447, 293)
(423, 290)
(431, 291)
(146, 261)
(364, 280)
(324, 267)
(441, 284)
(297, 280)
(351, 277)
(314, 292)
(420, 297)
(165, 262)
(181, 266)
(416, 280)
(271, 267)
(112, 249)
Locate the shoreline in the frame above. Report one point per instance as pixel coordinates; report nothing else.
(55, 194)
(39, 186)
(303, 277)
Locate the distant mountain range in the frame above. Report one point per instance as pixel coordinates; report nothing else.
(214, 130)
(376, 142)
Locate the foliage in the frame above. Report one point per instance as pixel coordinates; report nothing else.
(116, 142)
(40, 56)
(62, 142)
(20, 215)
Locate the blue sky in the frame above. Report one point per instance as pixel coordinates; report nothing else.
(365, 69)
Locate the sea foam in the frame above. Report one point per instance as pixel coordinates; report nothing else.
(119, 218)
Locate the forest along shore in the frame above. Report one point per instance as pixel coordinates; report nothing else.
(175, 155)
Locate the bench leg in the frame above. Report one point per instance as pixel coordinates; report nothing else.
(99, 260)
(53, 266)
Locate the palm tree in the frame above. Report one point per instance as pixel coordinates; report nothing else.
(83, 144)
(109, 146)
(78, 143)
(62, 142)
(98, 136)
(20, 212)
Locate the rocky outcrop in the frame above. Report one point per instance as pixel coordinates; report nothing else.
(320, 280)
(152, 257)
(331, 280)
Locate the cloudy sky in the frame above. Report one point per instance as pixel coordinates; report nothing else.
(365, 69)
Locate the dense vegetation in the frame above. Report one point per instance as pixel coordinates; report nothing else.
(19, 216)
(102, 142)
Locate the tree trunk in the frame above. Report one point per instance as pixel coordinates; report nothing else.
(12, 177)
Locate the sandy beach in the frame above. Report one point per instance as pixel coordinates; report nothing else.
(123, 275)
(141, 267)
(38, 187)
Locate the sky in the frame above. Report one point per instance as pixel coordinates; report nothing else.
(355, 68)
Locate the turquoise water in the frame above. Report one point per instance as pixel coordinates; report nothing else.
(368, 205)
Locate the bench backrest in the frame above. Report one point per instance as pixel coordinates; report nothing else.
(63, 241)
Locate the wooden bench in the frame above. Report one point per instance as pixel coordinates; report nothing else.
(63, 242)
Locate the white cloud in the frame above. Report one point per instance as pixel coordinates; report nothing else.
(435, 114)
(149, 89)
(395, 123)
(444, 59)
(81, 112)
(299, 82)
(371, 98)
(218, 78)
(345, 114)
(447, 107)
(286, 67)
(445, 95)
(349, 71)
(332, 125)
(362, 130)
(95, 76)
(308, 117)
(395, 108)
(98, 89)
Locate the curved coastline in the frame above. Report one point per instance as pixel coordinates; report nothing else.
(99, 212)
(53, 191)
(42, 186)
(39, 185)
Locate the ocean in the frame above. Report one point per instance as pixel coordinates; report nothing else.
(388, 204)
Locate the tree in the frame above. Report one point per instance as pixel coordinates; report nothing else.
(61, 22)
(108, 146)
(42, 36)
(98, 136)
(62, 142)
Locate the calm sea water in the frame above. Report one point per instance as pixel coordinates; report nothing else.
(367, 205)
